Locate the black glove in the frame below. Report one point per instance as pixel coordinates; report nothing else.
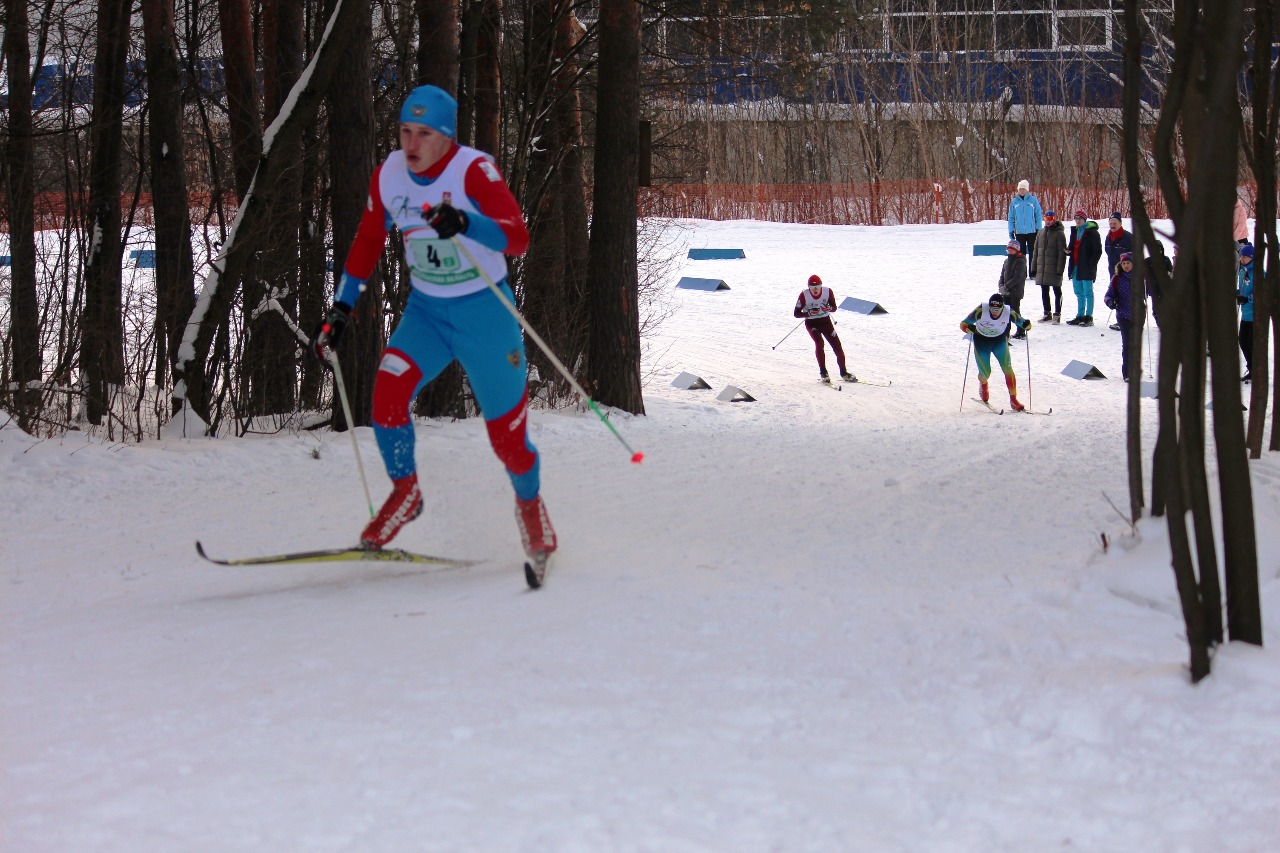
(447, 220)
(329, 332)
(1242, 300)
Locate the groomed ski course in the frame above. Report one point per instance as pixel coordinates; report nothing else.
(816, 622)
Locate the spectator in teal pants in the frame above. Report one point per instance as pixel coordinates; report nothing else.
(1083, 253)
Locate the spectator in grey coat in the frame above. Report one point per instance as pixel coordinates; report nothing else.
(1050, 263)
(1013, 279)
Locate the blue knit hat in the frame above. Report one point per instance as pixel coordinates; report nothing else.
(1246, 251)
(432, 106)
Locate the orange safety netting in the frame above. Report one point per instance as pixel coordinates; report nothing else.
(51, 209)
(876, 203)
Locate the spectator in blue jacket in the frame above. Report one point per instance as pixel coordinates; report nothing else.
(1025, 218)
(1244, 298)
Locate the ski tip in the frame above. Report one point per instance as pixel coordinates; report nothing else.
(200, 550)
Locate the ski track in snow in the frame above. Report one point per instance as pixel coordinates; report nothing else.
(860, 620)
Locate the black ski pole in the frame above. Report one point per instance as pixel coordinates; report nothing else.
(1028, 371)
(965, 384)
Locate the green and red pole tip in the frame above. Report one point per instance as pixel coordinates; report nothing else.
(636, 456)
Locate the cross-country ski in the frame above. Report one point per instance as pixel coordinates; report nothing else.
(339, 555)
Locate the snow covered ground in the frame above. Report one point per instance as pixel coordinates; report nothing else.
(823, 621)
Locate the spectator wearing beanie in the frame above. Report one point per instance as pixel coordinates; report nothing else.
(1084, 251)
(1025, 219)
(1117, 242)
(1013, 280)
(1119, 297)
(1050, 264)
(1244, 298)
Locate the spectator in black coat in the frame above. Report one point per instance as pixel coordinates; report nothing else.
(1083, 254)
(1118, 242)
(1157, 257)
(1013, 279)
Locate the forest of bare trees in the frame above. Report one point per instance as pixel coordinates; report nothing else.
(222, 147)
(130, 157)
(181, 182)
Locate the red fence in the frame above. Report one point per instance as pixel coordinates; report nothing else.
(51, 208)
(876, 203)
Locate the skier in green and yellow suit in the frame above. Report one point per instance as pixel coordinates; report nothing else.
(989, 324)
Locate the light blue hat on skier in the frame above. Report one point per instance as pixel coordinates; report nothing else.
(432, 106)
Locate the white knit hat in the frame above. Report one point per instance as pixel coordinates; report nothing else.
(1024, 185)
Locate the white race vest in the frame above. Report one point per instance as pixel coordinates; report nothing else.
(810, 303)
(436, 266)
(993, 327)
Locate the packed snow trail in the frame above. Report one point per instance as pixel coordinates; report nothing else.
(814, 622)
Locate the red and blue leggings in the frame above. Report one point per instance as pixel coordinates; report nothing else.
(485, 339)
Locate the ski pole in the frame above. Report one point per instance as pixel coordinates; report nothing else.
(965, 384)
(273, 304)
(788, 334)
(1147, 323)
(1150, 373)
(351, 427)
(636, 457)
(1028, 371)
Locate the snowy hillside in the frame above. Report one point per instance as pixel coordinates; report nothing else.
(822, 621)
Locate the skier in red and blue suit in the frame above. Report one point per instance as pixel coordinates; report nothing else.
(443, 196)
